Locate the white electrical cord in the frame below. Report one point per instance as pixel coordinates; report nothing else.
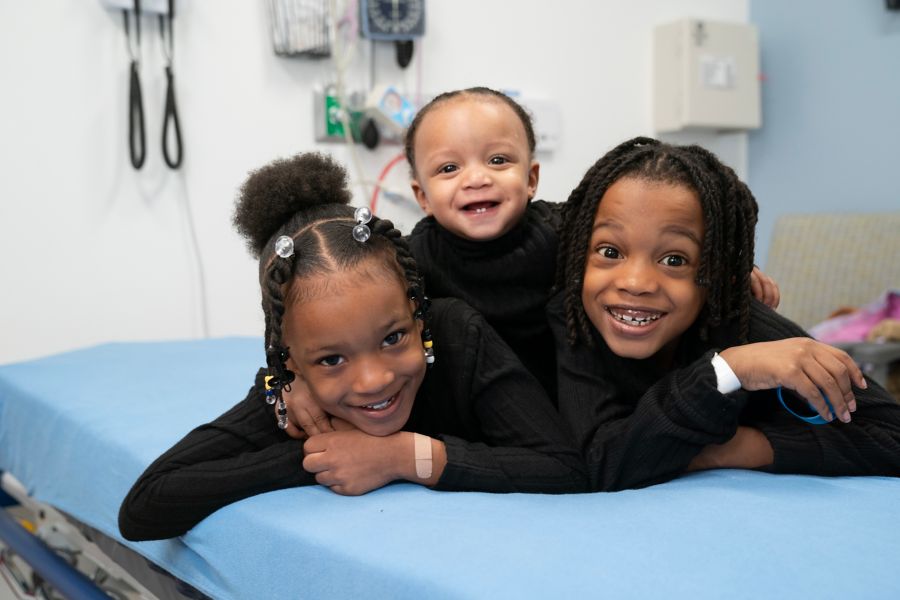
(344, 33)
(198, 257)
(341, 59)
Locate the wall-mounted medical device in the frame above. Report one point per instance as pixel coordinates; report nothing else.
(133, 12)
(397, 21)
(157, 7)
(706, 76)
(392, 20)
(300, 27)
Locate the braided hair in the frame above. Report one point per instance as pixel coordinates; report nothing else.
(409, 142)
(307, 199)
(729, 217)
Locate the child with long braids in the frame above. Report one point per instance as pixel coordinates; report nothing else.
(484, 239)
(666, 363)
(345, 312)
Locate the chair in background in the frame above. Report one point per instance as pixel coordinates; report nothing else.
(826, 262)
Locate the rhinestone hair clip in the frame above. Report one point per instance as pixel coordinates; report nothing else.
(284, 246)
(361, 231)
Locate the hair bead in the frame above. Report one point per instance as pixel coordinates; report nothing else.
(284, 246)
(361, 232)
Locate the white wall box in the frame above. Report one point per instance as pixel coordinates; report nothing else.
(706, 76)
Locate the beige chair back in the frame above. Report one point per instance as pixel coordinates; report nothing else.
(823, 262)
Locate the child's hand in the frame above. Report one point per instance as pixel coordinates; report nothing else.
(352, 463)
(748, 449)
(305, 418)
(764, 288)
(802, 365)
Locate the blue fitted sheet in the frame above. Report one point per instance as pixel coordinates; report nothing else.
(78, 428)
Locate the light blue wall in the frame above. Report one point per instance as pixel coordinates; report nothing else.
(830, 139)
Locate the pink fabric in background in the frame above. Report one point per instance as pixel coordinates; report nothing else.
(855, 326)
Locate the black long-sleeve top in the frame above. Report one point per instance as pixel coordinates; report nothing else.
(507, 280)
(637, 426)
(501, 432)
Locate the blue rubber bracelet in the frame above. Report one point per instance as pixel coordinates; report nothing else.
(814, 419)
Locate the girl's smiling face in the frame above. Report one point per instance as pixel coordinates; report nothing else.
(354, 339)
(640, 289)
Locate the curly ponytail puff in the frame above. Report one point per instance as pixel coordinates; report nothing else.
(273, 194)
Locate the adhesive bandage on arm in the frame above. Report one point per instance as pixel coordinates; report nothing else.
(423, 455)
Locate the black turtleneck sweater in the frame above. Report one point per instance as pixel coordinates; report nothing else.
(637, 426)
(507, 280)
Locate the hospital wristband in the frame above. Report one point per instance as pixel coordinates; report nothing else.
(726, 380)
(423, 456)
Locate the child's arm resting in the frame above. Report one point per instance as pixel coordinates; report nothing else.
(352, 463)
(631, 438)
(240, 454)
(635, 442)
(868, 445)
(808, 367)
(524, 445)
(748, 449)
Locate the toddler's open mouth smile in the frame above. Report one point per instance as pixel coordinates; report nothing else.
(480, 208)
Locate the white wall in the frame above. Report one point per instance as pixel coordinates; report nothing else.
(93, 251)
